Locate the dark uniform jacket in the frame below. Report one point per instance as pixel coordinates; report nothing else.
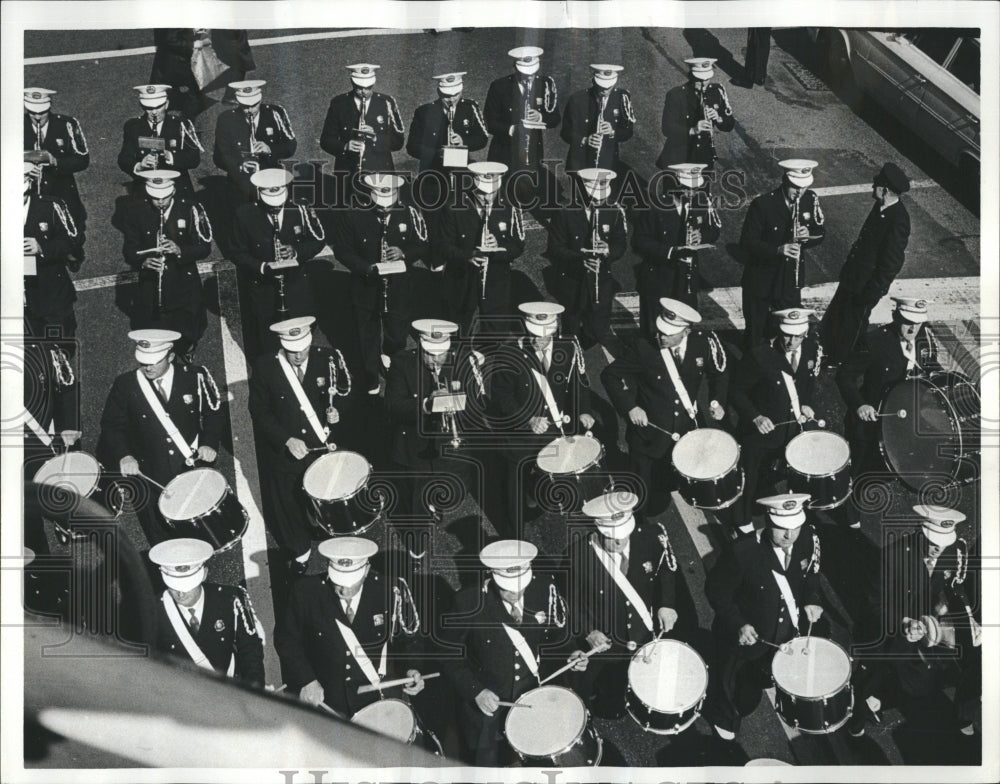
(342, 120)
(277, 416)
(640, 378)
(253, 240)
(758, 388)
(232, 139)
(570, 231)
(599, 604)
(129, 426)
(228, 628)
(64, 139)
(505, 107)
(682, 109)
(311, 647)
(877, 254)
(181, 141)
(878, 369)
(741, 589)
(580, 121)
(429, 131)
(768, 226)
(175, 45)
(49, 293)
(47, 398)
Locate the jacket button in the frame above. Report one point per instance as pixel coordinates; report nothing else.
(170, 451)
(517, 666)
(517, 677)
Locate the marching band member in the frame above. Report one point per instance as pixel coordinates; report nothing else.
(772, 391)
(692, 112)
(55, 144)
(654, 386)
(381, 231)
(212, 625)
(584, 240)
(778, 227)
(512, 630)
(622, 586)
(668, 239)
(166, 235)
(159, 420)
(300, 403)
(251, 137)
(874, 261)
(346, 628)
(764, 589)
(272, 240)
(894, 352)
(157, 139)
(596, 121)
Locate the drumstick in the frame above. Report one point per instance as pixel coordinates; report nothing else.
(330, 710)
(572, 663)
(809, 631)
(370, 687)
(801, 421)
(504, 704)
(783, 647)
(901, 414)
(647, 654)
(329, 447)
(151, 481)
(673, 436)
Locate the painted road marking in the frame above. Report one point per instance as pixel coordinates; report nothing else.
(145, 50)
(865, 187)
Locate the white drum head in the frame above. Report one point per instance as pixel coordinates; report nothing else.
(821, 671)
(192, 494)
(336, 475)
(569, 455)
(393, 718)
(705, 454)
(673, 680)
(76, 471)
(556, 718)
(817, 453)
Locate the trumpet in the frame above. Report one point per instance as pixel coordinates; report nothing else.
(282, 307)
(597, 125)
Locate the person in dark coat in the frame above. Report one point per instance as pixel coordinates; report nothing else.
(772, 391)
(172, 62)
(654, 387)
(596, 121)
(512, 631)
(291, 436)
(758, 53)
(669, 239)
(692, 112)
(622, 589)
(765, 587)
(342, 629)
(778, 226)
(147, 409)
(55, 144)
(214, 626)
(872, 264)
(166, 235)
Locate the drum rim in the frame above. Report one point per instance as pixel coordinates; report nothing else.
(718, 476)
(207, 512)
(846, 463)
(81, 453)
(338, 499)
(596, 461)
(568, 746)
(691, 648)
(413, 714)
(826, 696)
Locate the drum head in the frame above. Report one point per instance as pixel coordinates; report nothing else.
(817, 453)
(672, 680)
(557, 717)
(923, 443)
(193, 494)
(76, 471)
(336, 475)
(819, 669)
(569, 455)
(705, 454)
(393, 718)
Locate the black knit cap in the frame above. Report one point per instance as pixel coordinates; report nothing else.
(893, 178)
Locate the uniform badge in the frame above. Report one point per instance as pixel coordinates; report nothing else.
(648, 567)
(379, 119)
(378, 619)
(269, 131)
(502, 225)
(806, 216)
(220, 625)
(804, 564)
(631, 645)
(297, 230)
(43, 226)
(605, 228)
(60, 142)
(321, 381)
(699, 361)
(332, 416)
(173, 142)
(810, 364)
(465, 123)
(614, 112)
(181, 223)
(188, 399)
(538, 101)
(402, 228)
(540, 617)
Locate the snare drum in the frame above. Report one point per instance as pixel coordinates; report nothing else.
(64, 475)
(396, 719)
(335, 485)
(199, 504)
(667, 682)
(813, 685)
(573, 475)
(707, 464)
(819, 463)
(555, 731)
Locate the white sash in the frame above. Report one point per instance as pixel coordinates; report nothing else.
(300, 394)
(354, 649)
(550, 401)
(786, 594)
(793, 394)
(184, 635)
(522, 646)
(682, 393)
(32, 424)
(622, 582)
(163, 417)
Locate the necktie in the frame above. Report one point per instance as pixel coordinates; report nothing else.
(300, 371)
(38, 137)
(624, 562)
(543, 358)
(678, 357)
(793, 360)
(788, 558)
(160, 390)
(516, 613)
(349, 611)
(193, 623)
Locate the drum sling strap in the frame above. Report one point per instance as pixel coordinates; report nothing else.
(163, 417)
(523, 648)
(793, 394)
(32, 424)
(622, 582)
(184, 635)
(300, 394)
(550, 400)
(354, 649)
(786, 594)
(679, 388)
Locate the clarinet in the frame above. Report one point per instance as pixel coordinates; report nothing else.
(704, 116)
(163, 263)
(38, 146)
(597, 122)
(382, 257)
(482, 243)
(692, 236)
(251, 164)
(595, 243)
(795, 231)
(282, 307)
(361, 123)
(524, 129)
